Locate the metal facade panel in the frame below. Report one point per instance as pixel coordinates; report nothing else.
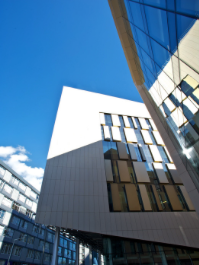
(115, 120)
(134, 123)
(153, 125)
(143, 124)
(146, 137)
(132, 152)
(141, 173)
(155, 153)
(122, 150)
(106, 133)
(145, 197)
(102, 119)
(187, 198)
(115, 197)
(158, 138)
(130, 135)
(123, 171)
(108, 170)
(116, 134)
(132, 197)
(173, 198)
(174, 173)
(160, 173)
(126, 122)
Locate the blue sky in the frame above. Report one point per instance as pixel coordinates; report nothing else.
(44, 46)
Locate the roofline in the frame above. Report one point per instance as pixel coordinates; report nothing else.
(19, 177)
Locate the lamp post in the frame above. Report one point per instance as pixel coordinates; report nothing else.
(12, 249)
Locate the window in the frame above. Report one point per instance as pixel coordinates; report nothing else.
(74, 255)
(50, 237)
(22, 186)
(67, 253)
(47, 257)
(17, 251)
(15, 181)
(63, 261)
(35, 229)
(30, 240)
(9, 232)
(29, 202)
(30, 254)
(59, 260)
(6, 249)
(7, 188)
(1, 230)
(59, 251)
(23, 224)
(41, 231)
(47, 246)
(1, 184)
(61, 241)
(71, 245)
(41, 244)
(2, 171)
(2, 213)
(22, 237)
(74, 247)
(22, 198)
(2, 262)
(16, 206)
(37, 255)
(15, 220)
(7, 202)
(65, 243)
(33, 194)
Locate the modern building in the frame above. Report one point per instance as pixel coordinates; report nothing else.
(22, 241)
(160, 40)
(110, 181)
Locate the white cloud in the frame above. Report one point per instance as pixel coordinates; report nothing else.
(17, 158)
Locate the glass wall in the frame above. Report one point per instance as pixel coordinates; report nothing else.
(122, 251)
(166, 44)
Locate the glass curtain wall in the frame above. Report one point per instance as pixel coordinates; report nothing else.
(166, 37)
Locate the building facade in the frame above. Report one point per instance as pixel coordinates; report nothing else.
(21, 239)
(111, 182)
(160, 40)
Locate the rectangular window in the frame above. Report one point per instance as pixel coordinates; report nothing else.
(65, 243)
(22, 237)
(61, 241)
(67, 253)
(33, 194)
(9, 232)
(30, 240)
(41, 231)
(14, 180)
(6, 249)
(22, 186)
(41, 244)
(2, 171)
(47, 246)
(47, 257)
(7, 188)
(23, 224)
(1, 230)
(30, 254)
(35, 229)
(37, 255)
(29, 202)
(15, 220)
(7, 202)
(59, 251)
(63, 261)
(17, 251)
(21, 198)
(59, 260)
(2, 213)
(50, 237)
